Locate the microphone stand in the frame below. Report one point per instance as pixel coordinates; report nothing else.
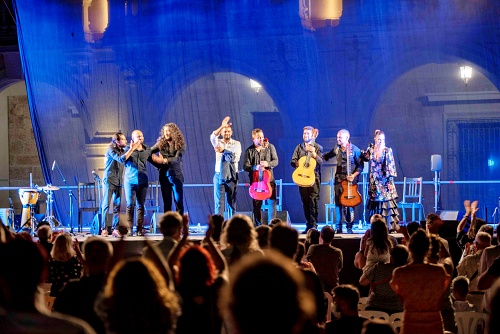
(71, 196)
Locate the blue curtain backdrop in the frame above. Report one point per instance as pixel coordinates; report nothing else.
(96, 67)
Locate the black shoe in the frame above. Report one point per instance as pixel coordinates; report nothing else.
(339, 230)
(349, 230)
(303, 232)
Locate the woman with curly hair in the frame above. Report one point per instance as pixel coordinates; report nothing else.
(239, 238)
(136, 299)
(171, 145)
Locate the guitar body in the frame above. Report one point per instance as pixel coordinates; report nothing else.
(350, 196)
(303, 175)
(261, 189)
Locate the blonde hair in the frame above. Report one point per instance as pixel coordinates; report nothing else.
(63, 248)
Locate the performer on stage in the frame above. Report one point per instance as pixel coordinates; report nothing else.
(227, 156)
(340, 153)
(171, 145)
(112, 181)
(258, 157)
(382, 191)
(309, 194)
(136, 179)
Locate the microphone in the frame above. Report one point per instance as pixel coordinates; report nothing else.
(54, 165)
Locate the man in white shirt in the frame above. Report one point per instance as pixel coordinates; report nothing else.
(227, 156)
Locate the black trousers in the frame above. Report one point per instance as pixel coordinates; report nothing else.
(310, 199)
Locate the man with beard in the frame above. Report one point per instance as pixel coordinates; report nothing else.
(227, 156)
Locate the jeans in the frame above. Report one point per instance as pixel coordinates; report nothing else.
(171, 185)
(135, 193)
(230, 188)
(110, 193)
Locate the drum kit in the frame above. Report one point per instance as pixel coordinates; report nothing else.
(29, 198)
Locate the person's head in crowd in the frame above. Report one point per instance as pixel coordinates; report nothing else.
(435, 247)
(460, 288)
(418, 246)
(299, 254)
(276, 221)
(44, 233)
(271, 281)
(218, 221)
(284, 239)
(327, 234)
(432, 223)
(376, 217)
(379, 235)
(239, 230)
(63, 248)
(345, 300)
(399, 255)
(97, 254)
(263, 235)
(482, 240)
(196, 270)
(412, 227)
(377, 326)
(312, 238)
(136, 299)
(171, 224)
(23, 266)
(488, 229)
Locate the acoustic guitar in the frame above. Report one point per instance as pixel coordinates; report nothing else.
(261, 189)
(350, 196)
(303, 175)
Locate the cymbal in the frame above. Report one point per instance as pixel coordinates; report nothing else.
(48, 188)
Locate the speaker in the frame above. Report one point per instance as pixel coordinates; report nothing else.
(283, 215)
(436, 163)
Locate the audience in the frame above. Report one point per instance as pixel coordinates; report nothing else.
(263, 235)
(377, 326)
(200, 275)
(326, 259)
(239, 238)
(382, 297)
(44, 233)
(378, 245)
(345, 304)
(421, 285)
(270, 284)
(65, 262)
(78, 296)
(489, 255)
(432, 225)
(312, 238)
(459, 292)
(23, 267)
(170, 227)
(136, 299)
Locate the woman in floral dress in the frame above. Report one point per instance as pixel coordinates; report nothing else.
(381, 191)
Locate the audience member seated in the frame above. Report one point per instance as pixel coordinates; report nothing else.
(285, 239)
(312, 238)
(136, 299)
(239, 238)
(489, 255)
(218, 221)
(65, 262)
(77, 298)
(23, 267)
(433, 223)
(263, 235)
(44, 234)
(459, 291)
(382, 297)
(200, 275)
(170, 227)
(469, 265)
(326, 259)
(270, 284)
(410, 229)
(347, 319)
(276, 221)
(421, 285)
(468, 227)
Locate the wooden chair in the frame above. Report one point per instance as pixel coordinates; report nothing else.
(152, 204)
(412, 198)
(87, 200)
(470, 322)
